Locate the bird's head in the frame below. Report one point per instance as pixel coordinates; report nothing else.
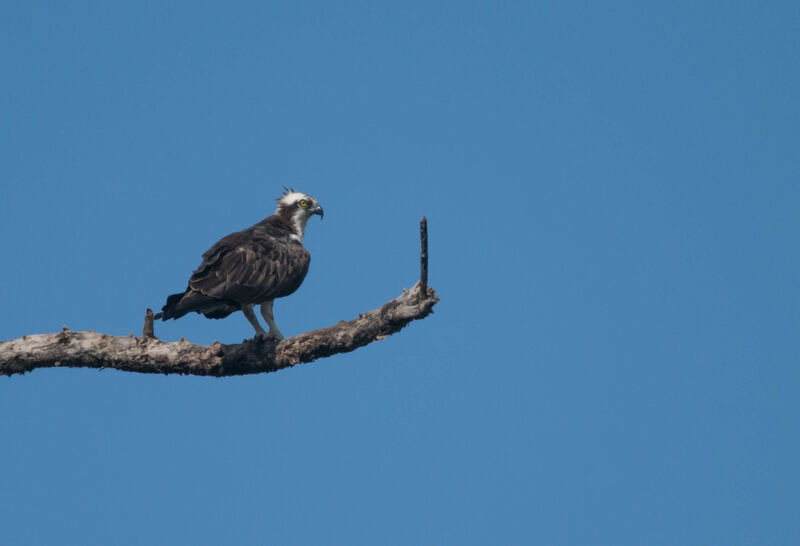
(296, 208)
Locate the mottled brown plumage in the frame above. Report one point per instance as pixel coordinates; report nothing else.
(250, 267)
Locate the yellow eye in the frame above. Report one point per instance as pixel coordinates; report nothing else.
(303, 203)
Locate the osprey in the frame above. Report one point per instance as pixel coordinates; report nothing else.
(251, 267)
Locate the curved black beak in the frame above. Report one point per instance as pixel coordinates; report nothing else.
(318, 210)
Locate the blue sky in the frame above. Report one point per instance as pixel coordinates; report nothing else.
(612, 193)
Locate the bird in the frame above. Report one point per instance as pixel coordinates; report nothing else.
(251, 267)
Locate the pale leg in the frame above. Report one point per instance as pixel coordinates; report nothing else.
(251, 316)
(266, 312)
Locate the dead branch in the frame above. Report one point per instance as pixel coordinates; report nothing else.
(423, 254)
(148, 354)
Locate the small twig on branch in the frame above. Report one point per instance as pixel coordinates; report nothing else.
(148, 354)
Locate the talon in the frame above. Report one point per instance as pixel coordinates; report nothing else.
(269, 336)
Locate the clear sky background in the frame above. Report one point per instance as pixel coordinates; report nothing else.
(614, 206)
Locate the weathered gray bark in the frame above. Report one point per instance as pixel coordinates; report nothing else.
(147, 354)
(150, 355)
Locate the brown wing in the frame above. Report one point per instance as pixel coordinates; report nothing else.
(251, 267)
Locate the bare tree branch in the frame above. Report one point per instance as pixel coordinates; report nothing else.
(150, 355)
(147, 354)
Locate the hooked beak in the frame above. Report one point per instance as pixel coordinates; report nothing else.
(318, 210)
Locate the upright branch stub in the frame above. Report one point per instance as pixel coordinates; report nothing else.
(148, 330)
(423, 257)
